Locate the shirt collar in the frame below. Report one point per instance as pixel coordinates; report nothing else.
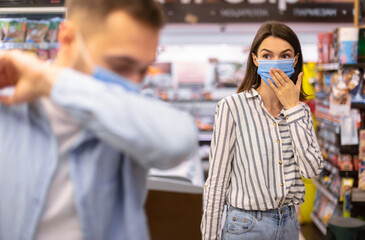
(251, 93)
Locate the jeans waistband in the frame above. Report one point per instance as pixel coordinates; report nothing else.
(279, 213)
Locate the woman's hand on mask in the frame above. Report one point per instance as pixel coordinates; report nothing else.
(287, 92)
(31, 77)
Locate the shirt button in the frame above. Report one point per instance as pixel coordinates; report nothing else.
(274, 124)
(287, 117)
(280, 162)
(205, 186)
(278, 141)
(281, 184)
(280, 202)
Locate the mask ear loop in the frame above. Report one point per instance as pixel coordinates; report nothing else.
(84, 51)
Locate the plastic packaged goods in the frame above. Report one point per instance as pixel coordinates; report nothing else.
(53, 51)
(36, 31)
(43, 52)
(362, 176)
(348, 40)
(52, 33)
(14, 29)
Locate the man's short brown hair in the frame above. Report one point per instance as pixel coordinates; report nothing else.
(147, 11)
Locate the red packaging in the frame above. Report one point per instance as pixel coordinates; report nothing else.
(320, 48)
(327, 45)
(346, 163)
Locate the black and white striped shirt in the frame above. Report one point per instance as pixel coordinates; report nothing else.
(257, 160)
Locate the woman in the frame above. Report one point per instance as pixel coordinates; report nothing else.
(263, 144)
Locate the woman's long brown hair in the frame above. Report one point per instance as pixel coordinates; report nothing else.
(279, 30)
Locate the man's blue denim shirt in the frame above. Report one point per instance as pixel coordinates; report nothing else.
(124, 135)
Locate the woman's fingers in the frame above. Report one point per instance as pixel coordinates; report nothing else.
(283, 76)
(299, 81)
(275, 79)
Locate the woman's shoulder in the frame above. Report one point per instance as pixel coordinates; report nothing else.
(234, 98)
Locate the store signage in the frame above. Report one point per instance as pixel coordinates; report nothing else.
(234, 11)
(282, 4)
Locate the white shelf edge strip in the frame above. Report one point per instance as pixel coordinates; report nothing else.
(319, 224)
(327, 193)
(33, 10)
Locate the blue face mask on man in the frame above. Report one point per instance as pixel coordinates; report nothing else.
(105, 75)
(285, 65)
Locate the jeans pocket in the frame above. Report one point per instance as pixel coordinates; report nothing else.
(240, 222)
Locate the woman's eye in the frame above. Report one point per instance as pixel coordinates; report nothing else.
(266, 56)
(286, 56)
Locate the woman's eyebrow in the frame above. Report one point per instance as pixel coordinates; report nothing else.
(264, 49)
(287, 50)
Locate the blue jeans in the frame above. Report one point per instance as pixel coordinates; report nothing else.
(278, 224)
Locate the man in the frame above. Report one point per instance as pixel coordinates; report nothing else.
(76, 147)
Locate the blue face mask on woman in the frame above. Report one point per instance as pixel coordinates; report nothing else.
(285, 65)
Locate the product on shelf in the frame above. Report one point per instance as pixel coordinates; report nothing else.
(346, 162)
(347, 202)
(53, 51)
(362, 145)
(362, 176)
(320, 46)
(14, 29)
(52, 33)
(355, 160)
(335, 47)
(349, 134)
(43, 52)
(327, 45)
(36, 31)
(30, 36)
(348, 38)
(346, 183)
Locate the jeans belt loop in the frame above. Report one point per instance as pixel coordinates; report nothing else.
(292, 208)
(259, 215)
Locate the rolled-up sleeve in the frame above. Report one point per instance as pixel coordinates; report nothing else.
(150, 131)
(306, 149)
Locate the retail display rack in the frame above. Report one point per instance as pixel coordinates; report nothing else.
(330, 184)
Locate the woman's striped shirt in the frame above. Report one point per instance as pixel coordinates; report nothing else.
(257, 160)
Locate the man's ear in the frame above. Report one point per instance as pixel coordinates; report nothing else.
(66, 34)
(255, 59)
(67, 40)
(296, 60)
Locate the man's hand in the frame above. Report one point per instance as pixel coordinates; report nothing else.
(287, 92)
(31, 77)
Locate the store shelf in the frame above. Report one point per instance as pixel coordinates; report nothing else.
(328, 67)
(358, 195)
(330, 167)
(205, 136)
(329, 195)
(32, 10)
(337, 66)
(358, 105)
(321, 226)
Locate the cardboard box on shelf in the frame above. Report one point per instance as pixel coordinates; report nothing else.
(348, 39)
